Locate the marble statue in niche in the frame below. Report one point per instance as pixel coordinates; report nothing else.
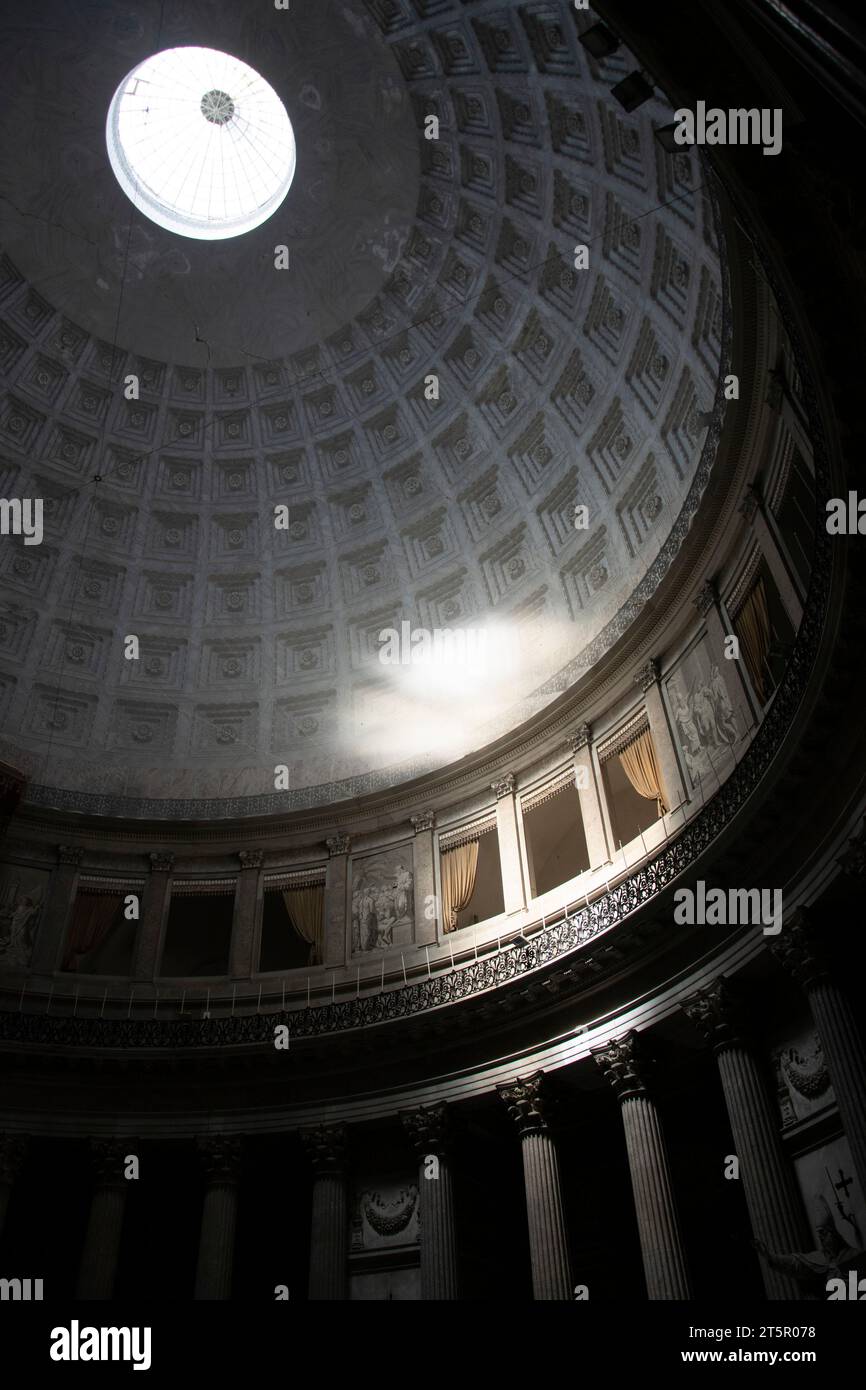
(383, 900)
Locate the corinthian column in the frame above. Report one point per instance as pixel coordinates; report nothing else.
(13, 1151)
(427, 1127)
(664, 1258)
(98, 1269)
(799, 951)
(326, 1148)
(768, 1183)
(221, 1157)
(548, 1243)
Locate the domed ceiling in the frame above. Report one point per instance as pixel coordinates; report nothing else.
(431, 388)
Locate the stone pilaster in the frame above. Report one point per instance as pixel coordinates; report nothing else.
(427, 929)
(799, 951)
(221, 1157)
(754, 512)
(673, 788)
(154, 918)
(11, 790)
(664, 1258)
(326, 1148)
(98, 1269)
(13, 1151)
(548, 1242)
(590, 790)
(510, 858)
(247, 920)
(428, 1129)
(771, 1196)
(336, 894)
(54, 925)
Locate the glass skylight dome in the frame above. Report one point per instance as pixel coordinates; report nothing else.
(200, 143)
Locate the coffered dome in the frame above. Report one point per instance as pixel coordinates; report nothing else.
(432, 388)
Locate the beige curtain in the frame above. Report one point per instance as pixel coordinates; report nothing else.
(459, 867)
(92, 918)
(752, 625)
(640, 767)
(305, 906)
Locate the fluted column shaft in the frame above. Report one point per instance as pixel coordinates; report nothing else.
(548, 1245)
(326, 1146)
(664, 1259)
(799, 948)
(548, 1240)
(768, 1184)
(221, 1158)
(98, 1269)
(438, 1237)
(846, 1063)
(662, 1249)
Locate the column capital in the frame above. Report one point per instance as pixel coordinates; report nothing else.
(251, 858)
(852, 860)
(503, 786)
(13, 1151)
(425, 820)
(624, 1065)
(706, 598)
(428, 1128)
(751, 503)
(106, 1159)
(648, 675)
(337, 844)
(161, 863)
(69, 854)
(220, 1156)
(715, 1011)
(581, 738)
(798, 949)
(326, 1148)
(525, 1103)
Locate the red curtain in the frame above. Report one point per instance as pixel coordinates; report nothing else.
(92, 919)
